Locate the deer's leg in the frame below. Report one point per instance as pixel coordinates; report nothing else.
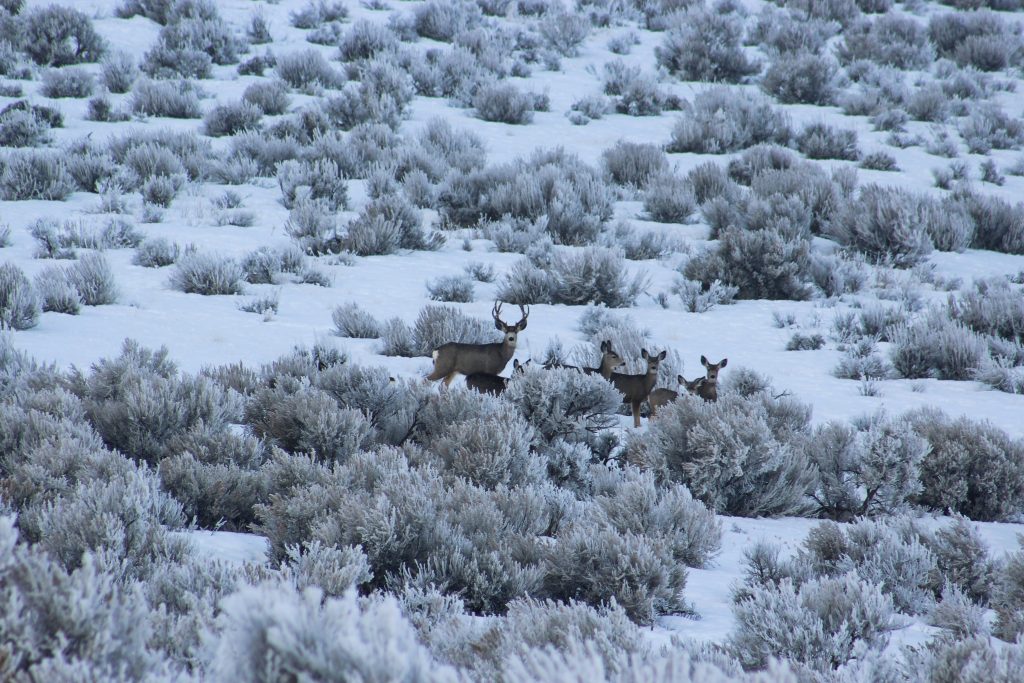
(636, 413)
(449, 378)
(654, 410)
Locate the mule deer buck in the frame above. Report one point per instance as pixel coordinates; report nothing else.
(493, 384)
(610, 362)
(662, 397)
(457, 358)
(636, 388)
(707, 389)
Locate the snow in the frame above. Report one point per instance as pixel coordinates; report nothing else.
(207, 331)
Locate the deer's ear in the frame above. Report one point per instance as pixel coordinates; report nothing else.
(644, 354)
(703, 361)
(604, 346)
(724, 362)
(498, 325)
(680, 379)
(522, 325)
(663, 355)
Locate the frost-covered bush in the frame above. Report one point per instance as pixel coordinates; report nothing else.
(456, 288)
(636, 503)
(162, 153)
(437, 325)
(174, 99)
(312, 224)
(56, 291)
(270, 97)
(934, 345)
(82, 621)
(365, 40)
(973, 658)
(118, 72)
(19, 300)
(141, 406)
(352, 321)
(972, 468)
(705, 46)
(525, 283)
(991, 307)
(564, 403)
(194, 37)
(595, 275)
(22, 128)
(491, 450)
(631, 163)
(304, 419)
(387, 224)
(460, 149)
(93, 279)
(979, 39)
(269, 632)
(208, 274)
(822, 623)
(445, 20)
(800, 78)
(822, 141)
(124, 520)
(1008, 600)
(884, 224)
(553, 188)
(669, 198)
(306, 70)
(594, 564)
(57, 35)
(879, 161)
(896, 40)
(216, 480)
(761, 264)
(231, 118)
(998, 225)
(697, 298)
(735, 455)
(315, 180)
(868, 471)
(67, 82)
(504, 103)
(384, 92)
(988, 127)
(156, 253)
(315, 13)
(564, 32)
(721, 120)
(34, 174)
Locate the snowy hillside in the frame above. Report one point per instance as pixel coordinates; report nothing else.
(233, 232)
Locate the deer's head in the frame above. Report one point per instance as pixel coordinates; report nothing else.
(653, 361)
(610, 360)
(511, 332)
(712, 369)
(689, 385)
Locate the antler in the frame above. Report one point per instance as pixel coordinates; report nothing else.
(526, 314)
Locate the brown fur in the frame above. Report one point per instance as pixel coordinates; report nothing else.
(708, 387)
(456, 358)
(636, 388)
(493, 384)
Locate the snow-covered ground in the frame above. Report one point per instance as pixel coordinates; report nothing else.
(203, 331)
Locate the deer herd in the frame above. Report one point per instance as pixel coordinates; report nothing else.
(482, 363)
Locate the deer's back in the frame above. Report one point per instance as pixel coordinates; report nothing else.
(660, 397)
(634, 388)
(474, 358)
